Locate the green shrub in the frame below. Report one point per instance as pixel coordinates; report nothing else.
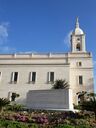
(64, 126)
(33, 126)
(3, 103)
(70, 126)
(15, 124)
(12, 124)
(15, 107)
(83, 126)
(60, 84)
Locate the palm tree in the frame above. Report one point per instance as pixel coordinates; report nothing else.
(89, 103)
(81, 96)
(3, 103)
(60, 84)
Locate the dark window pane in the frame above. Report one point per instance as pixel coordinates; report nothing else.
(80, 80)
(80, 64)
(52, 76)
(33, 76)
(15, 76)
(78, 39)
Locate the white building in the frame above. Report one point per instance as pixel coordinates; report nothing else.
(23, 72)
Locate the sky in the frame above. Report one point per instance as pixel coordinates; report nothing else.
(45, 25)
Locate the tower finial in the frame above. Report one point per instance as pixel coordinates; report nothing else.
(77, 22)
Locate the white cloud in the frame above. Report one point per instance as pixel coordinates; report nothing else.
(7, 49)
(4, 32)
(67, 39)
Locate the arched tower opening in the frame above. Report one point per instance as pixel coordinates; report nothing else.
(78, 47)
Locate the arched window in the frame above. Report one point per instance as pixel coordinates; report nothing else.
(78, 48)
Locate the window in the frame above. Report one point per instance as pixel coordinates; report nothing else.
(32, 77)
(78, 39)
(51, 76)
(14, 77)
(79, 64)
(78, 47)
(80, 80)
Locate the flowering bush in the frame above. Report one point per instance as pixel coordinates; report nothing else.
(41, 119)
(21, 118)
(51, 118)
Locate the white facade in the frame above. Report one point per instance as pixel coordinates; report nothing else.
(23, 72)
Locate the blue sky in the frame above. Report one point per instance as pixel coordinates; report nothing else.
(44, 25)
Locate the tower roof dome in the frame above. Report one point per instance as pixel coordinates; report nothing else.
(78, 30)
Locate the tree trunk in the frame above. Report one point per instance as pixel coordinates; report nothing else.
(95, 115)
(1, 109)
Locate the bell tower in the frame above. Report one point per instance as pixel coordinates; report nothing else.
(78, 39)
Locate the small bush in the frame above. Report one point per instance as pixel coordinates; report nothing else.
(83, 126)
(60, 84)
(14, 124)
(64, 126)
(15, 107)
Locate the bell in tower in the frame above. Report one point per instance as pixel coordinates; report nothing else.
(78, 39)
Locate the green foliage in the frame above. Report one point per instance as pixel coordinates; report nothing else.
(60, 84)
(15, 107)
(15, 124)
(64, 126)
(12, 124)
(47, 119)
(3, 103)
(76, 106)
(81, 95)
(83, 126)
(89, 103)
(70, 126)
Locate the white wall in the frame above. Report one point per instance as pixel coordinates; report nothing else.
(85, 70)
(23, 85)
(63, 65)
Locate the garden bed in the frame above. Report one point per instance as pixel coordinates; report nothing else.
(47, 119)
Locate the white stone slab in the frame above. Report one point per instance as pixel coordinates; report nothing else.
(56, 99)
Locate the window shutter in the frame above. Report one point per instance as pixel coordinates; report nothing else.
(30, 77)
(12, 77)
(0, 75)
(48, 76)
